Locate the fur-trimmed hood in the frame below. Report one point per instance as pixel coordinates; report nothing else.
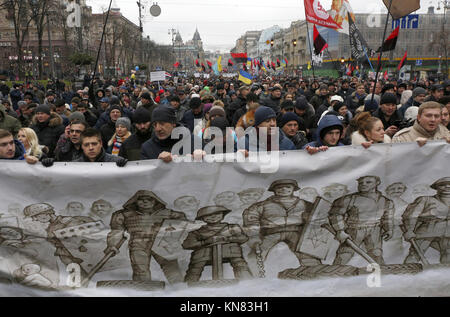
(54, 121)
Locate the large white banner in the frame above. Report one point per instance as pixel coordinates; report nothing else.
(156, 227)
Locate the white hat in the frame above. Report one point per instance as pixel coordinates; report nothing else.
(337, 98)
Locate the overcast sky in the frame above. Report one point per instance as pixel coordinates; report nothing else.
(221, 23)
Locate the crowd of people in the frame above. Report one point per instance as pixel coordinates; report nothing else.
(119, 121)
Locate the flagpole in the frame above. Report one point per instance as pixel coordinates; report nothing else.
(370, 63)
(310, 49)
(381, 52)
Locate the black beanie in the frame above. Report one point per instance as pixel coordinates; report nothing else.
(301, 103)
(338, 105)
(115, 107)
(289, 116)
(195, 103)
(164, 113)
(141, 115)
(43, 108)
(388, 98)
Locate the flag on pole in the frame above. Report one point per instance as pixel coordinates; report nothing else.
(230, 63)
(278, 62)
(176, 64)
(358, 44)
(391, 41)
(197, 63)
(263, 67)
(245, 67)
(168, 74)
(340, 12)
(319, 42)
(203, 67)
(385, 76)
(245, 77)
(401, 8)
(215, 69)
(219, 64)
(239, 57)
(402, 62)
(209, 64)
(316, 14)
(249, 62)
(286, 61)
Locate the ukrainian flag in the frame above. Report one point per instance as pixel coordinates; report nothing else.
(263, 67)
(249, 62)
(219, 64)
(245, 77)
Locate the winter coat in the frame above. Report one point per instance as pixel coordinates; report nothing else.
(327, 121)
(190, 120)
(154, 147)
(131, 148)
(271, 102)
(66, 152)
(353, 102)
(49, 132)
(16, 96)
(396, 116)
(9, 123)
(317, 101)
(250, 142)
(107, 130)
(103, 157)
(345, 93)
(416, 131)
(234, 106)
(299, 140)
(104, 117)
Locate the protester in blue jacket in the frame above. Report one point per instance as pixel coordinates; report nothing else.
(329, 134)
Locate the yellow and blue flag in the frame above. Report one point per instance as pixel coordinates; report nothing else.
(263, 67)
(245, 77)
(219, 64)
(249, 62)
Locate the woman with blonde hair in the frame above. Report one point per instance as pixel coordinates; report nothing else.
(370, 131)
(34, 151)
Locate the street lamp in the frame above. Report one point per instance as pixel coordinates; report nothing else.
(443, 35)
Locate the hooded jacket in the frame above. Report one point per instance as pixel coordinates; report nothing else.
(131, 148)
(9, 123)
(326, 122)
(48, 132)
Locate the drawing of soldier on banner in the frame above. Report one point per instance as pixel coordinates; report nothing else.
(74, 208)
(250, 196)
(101, 210)
(420, 190)
(279, 218)
(427, 224)
(229, 199)
(364, 217)
(309, 194)
(60, 227)
(334, 191)
(187, 204)
(395, 192)
(142, 217)
(216, 243)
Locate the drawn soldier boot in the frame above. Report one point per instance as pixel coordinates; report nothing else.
(241, 269)
(140, 263)
(377, 255)
(172, 271)
(413, 257)
(194, 272)
(343, 255)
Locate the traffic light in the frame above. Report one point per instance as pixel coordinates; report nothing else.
(271, 42)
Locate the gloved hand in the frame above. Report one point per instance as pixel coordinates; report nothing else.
(122, 162)
(47, 162)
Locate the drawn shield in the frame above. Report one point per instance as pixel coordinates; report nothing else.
(87, 242)
(315, 240)
(170, 237)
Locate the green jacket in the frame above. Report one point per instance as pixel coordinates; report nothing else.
(9, 123)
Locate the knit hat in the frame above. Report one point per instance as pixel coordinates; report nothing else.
(146, 95)
(207, 107)
(115, 107)
(388, 98)
(141, 115)
(59, 103)
(217, 111)
(338, 105)
(418, 91)
(44, 109)
(287, 104)
(289, 116)
(370, 106)
(262, 114)
(195, 103)
(125, 122)
(323, 87)
(301, 103)
(78, 116)
(164, 113)
(220, 123)
(114, 100)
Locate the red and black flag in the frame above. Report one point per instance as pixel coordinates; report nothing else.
(278, 62)
(319, 43)
(209, 64)
(403, 61)
(273, 66)
(245, 67)
(240, 57)
(203, 67)
(390, 42)
(230, 62)
(286, 61)
(176, 65)
(197, 63)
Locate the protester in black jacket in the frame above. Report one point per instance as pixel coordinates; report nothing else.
(131, 148)
(48, 127)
